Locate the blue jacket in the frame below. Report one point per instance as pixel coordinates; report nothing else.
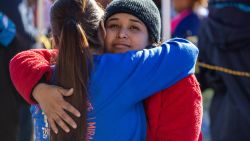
(119, 84)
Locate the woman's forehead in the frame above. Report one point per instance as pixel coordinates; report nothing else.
(124, 16)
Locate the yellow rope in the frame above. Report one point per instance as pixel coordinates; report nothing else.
(45, 41)
(225, 70)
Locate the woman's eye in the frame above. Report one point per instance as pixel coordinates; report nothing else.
(134, 28)
(113, 26)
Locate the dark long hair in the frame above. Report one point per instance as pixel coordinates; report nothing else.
(74, 28)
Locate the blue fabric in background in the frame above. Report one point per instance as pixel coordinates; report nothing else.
(41, 127)
(7, 30)
(189, 26)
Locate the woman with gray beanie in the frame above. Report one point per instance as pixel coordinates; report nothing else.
(164, 121)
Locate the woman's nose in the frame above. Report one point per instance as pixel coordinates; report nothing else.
(122, 33)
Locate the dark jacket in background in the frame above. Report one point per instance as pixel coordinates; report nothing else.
(10, 101)
(224, 40)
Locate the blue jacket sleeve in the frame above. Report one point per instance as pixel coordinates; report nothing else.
(136, 75)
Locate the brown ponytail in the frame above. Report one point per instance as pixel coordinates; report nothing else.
(69, 20)
(73, 70)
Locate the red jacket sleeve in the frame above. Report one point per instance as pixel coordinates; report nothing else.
(175, 114)
(28, 67)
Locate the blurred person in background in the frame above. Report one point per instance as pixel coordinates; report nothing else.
(35, 17)
(186, 22)
(16, 111)
(17, 30)
(224, 53)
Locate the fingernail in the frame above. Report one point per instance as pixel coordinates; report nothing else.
(56, 131)
(67, 130)
(74, 126)
(78, 114)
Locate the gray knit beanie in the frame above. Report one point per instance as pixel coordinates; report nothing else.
(145, 10)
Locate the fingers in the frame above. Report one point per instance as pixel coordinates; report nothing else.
(61, 123)
(69, 92)
(62, 119)
(54, 107)
(63, 115)
(53, 125)
(68, 107)
(65, 92)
